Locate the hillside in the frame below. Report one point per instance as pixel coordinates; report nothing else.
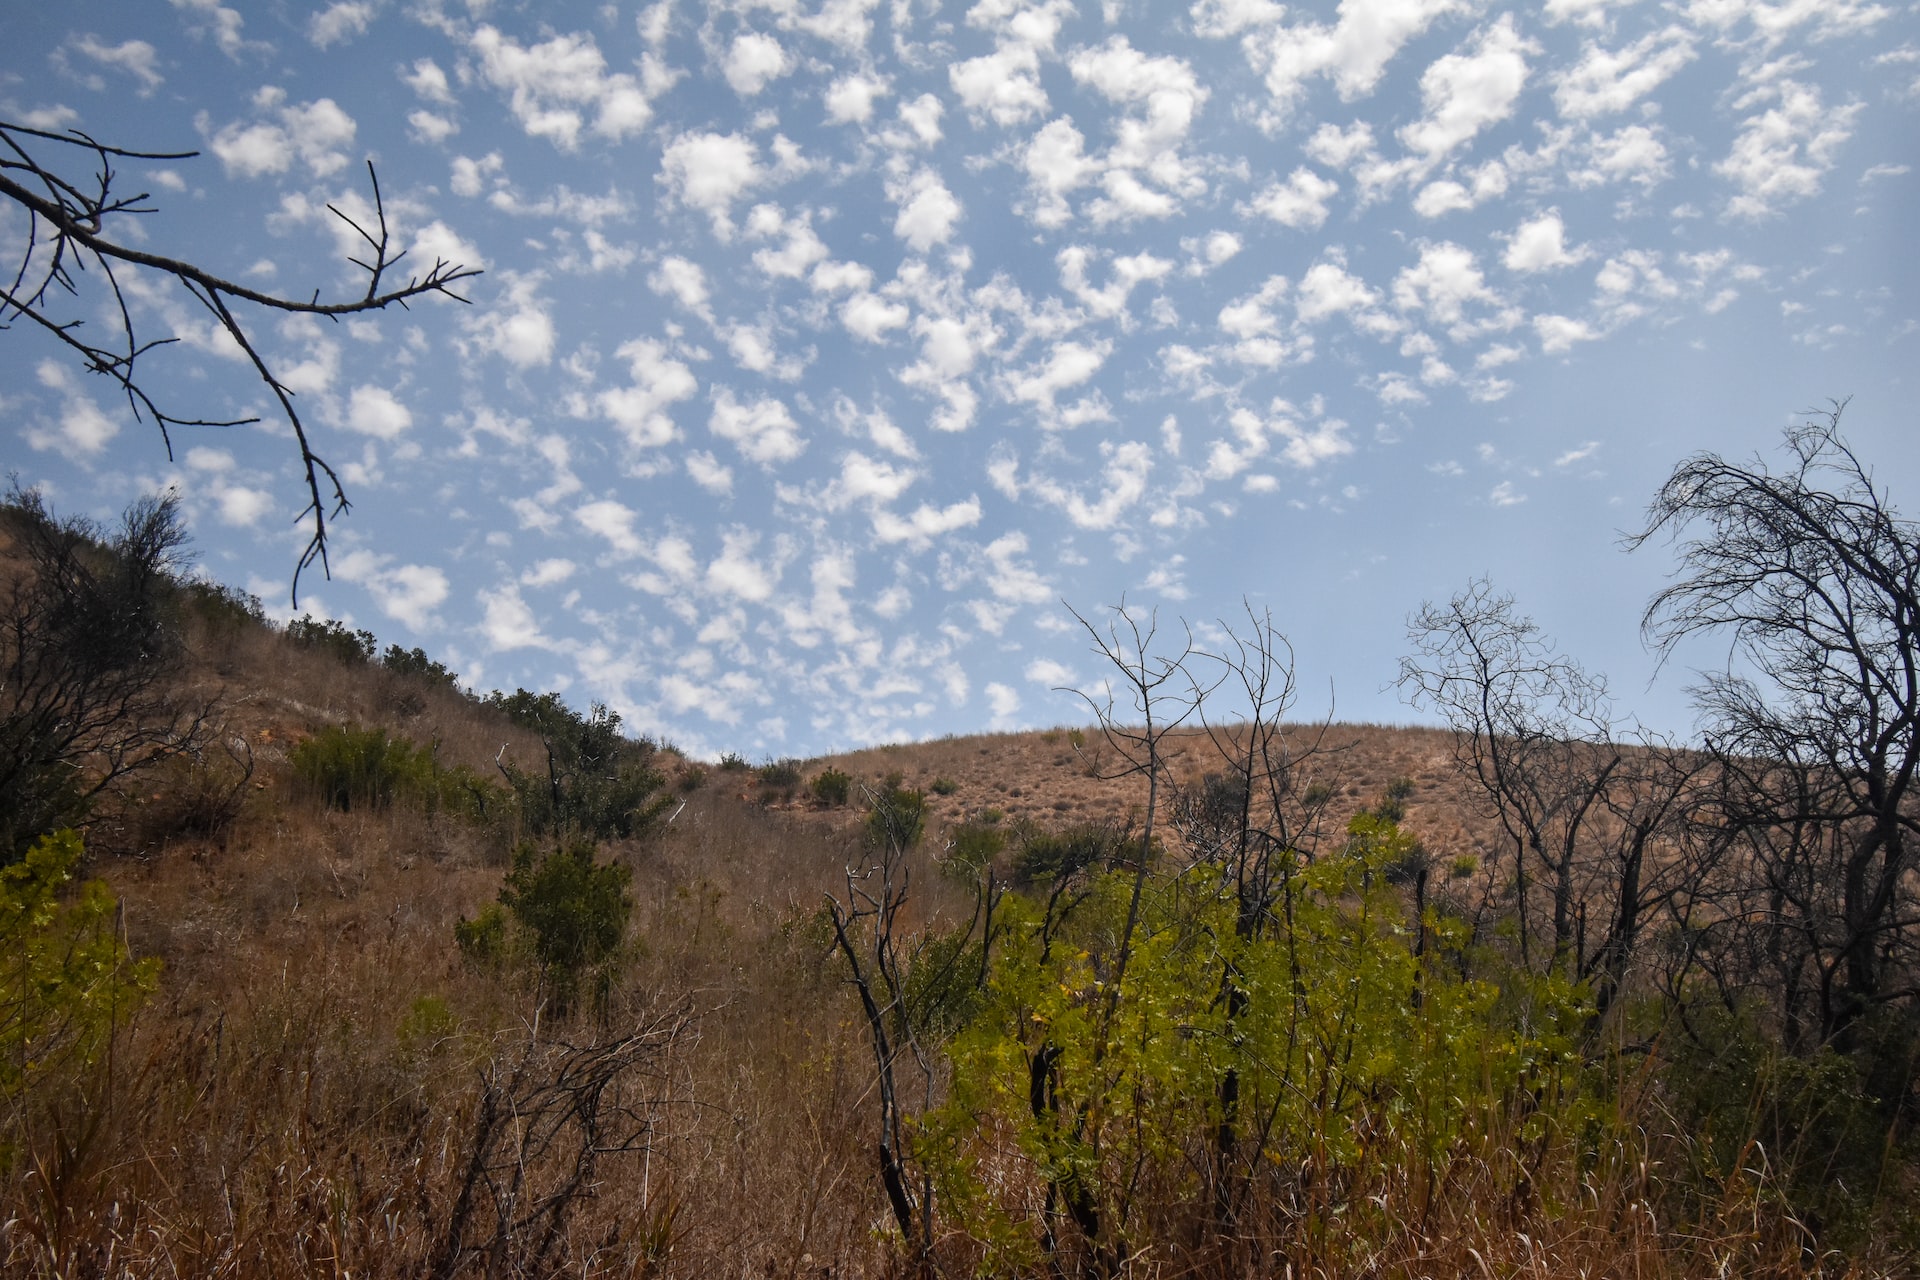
(338, 1069)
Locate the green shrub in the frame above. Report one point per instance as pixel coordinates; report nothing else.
(780, 775)
(416, 665)
(897, 816)
(573, 910)
(731, 763)
(355, 648)
(483, 939)
(971, 849)
(944, 786)
(831, 787)
(595, 783)
(1049, 857)
(692, 778)
(67, 981)
(348, 767)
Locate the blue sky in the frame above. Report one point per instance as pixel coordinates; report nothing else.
(829, 350)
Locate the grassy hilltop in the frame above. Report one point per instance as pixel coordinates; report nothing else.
(348, 971)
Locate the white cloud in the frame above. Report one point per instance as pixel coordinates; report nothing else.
(1010, 577)
(709, 171)
(1782, 153)
(427, 127)
(925, 523)
(135, 58)
(639, 410)
(373, 411)
(1123, 485)
(612, 521)
(426, 79)
(1606, 81)
(1004, 84)
(1465, 92)
(1068, 365)
(1559, 333)
(340, 22)
(754, 61)
(1354, 52)
(870, 317)
(1003, 703)
(1300, 202)
(1445, 280)
(211, 18)
(547, 573)
(709, 472)
(315, 133)
(552, 86)
(850, 99)
(1056, 163)
(685, 282)
(408, 593)
(241, 506)
(1328, 289)
(928, 211)
(82, 431)
(1541, 245)
(507, 623)
(762, 429)
(517, 326)
(736, 573)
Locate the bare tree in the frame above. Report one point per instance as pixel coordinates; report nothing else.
(87, 658)
(69, 233)
(1593, 811)
(1813, 577)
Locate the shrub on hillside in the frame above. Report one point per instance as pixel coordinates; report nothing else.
(831, 787)
(332, 637)
(347, 767)
(595, 783)
(67, 982)
(896, 815)
(565, 912)
(416, 665)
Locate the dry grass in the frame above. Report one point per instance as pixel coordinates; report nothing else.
(305, 1094)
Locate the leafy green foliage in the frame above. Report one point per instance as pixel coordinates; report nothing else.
(896, 816)
(89, 643)
(571, 911)
(416, 665)
(1050, 857)
(943, 786)
(971, 849)
(596, 784)
(831, 787)
(334, 638)
(67, 981)
(780, 775)
(351, 768)
(731, 763)
(1344, 1047)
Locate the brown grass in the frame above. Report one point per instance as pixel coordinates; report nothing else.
(304, 1095)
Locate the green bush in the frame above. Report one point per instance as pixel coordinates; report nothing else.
(897, 816)
(355, 648)
(348, 767)
(416, 665)
(1050, 857)
(944, 786)
(831, 787)
(971, 849)
(780, 775)
(573, 912)
(595, 783)
(731, 763)
(67, 981)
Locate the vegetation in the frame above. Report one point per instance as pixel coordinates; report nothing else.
(1217, 992)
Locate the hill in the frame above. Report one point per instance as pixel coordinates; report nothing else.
(429, 1018)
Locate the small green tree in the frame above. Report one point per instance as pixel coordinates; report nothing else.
(565, 912)
(66, 980)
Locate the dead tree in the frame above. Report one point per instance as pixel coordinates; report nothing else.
(1813, 578)
(70, 232)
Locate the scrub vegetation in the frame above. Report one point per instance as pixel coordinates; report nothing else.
(315, 962)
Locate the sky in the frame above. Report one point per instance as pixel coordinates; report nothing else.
(831, 355)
